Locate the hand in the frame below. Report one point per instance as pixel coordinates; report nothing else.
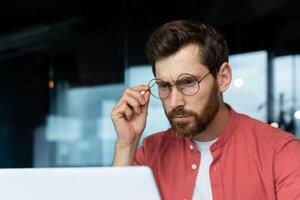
(130, 114)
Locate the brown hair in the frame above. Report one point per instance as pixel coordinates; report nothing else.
(172, 36)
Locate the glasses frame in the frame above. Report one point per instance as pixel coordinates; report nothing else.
(171, 85)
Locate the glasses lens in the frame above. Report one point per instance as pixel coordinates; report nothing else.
(187, 84)
(159, 89)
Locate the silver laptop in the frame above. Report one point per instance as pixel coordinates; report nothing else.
(86, 183)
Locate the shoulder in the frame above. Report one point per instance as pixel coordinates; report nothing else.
(159, 138)
(154, 147)
(264, 133)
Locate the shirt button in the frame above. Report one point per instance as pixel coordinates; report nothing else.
(194, 166)
(191, 147)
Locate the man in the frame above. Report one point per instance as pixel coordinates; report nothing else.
(210, 151)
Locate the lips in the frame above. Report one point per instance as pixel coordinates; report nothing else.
(181, 118)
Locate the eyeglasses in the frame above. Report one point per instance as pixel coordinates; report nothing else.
(186, 83)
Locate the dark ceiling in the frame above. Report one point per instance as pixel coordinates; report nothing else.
(112, 35)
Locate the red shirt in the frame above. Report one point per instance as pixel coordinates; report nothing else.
(251, 161)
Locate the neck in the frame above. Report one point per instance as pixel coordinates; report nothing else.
(215, 128)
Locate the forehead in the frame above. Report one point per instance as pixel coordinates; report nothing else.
(186, 60)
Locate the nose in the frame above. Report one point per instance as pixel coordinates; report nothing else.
(176, 98)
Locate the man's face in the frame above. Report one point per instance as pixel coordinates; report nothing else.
(188, 115)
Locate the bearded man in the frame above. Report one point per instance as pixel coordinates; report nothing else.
(210, 151)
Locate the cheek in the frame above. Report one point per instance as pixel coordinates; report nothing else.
(196, 103)
(203, 99)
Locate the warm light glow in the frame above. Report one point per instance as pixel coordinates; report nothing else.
(238, 82)
(51, 84)
(297, 114)
(274, 124)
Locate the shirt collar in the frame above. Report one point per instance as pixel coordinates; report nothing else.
(226, 133)
(228, 130)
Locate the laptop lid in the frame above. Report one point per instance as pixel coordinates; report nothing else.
(86, 183)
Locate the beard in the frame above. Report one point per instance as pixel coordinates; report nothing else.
(200, 120)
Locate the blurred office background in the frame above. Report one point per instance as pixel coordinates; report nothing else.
(64, 65)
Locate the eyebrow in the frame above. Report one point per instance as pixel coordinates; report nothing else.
(165, 81)
(198, 77)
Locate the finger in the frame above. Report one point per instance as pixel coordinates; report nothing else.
(132, 102)
(126, 111)
(141, 88)
(136, 94)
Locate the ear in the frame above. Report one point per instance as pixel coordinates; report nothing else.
(224, 77)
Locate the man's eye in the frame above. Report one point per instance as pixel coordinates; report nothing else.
(162, 86)
(189, 82)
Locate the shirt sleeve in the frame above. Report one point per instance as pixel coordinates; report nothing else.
(139, 158)
(287, 171)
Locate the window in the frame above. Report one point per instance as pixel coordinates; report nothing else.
(248, 91)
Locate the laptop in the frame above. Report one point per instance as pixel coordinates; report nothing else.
(82, 183)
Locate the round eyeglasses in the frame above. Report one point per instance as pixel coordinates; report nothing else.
(186, 83)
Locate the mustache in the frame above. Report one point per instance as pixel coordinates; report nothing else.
(180, 111)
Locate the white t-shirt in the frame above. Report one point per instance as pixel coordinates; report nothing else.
(203, 186)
